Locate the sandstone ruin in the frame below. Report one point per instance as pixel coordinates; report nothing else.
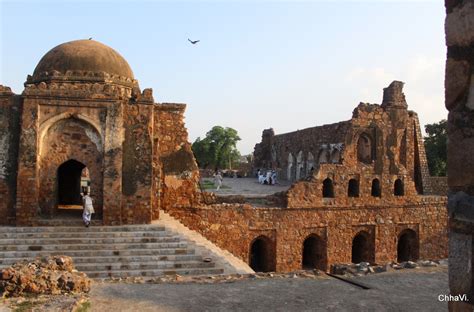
(365, 200)
(82, 108)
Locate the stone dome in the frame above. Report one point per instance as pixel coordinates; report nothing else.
(78, 58)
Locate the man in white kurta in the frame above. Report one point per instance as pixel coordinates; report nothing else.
(88, 209)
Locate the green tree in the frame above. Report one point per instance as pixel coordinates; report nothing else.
(218, 149)
(436, 147)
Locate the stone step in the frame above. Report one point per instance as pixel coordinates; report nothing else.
(97, 253)
(69, 229)
(78, 247)
(85, 234)
(115, 259)
(88, 241)
(107, 251)
(152, 273)
(162, 265)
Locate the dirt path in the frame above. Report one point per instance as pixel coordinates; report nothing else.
(411, 290)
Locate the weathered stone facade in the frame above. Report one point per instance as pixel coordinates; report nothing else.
(82, 108)
(380, 141)
(459, 100)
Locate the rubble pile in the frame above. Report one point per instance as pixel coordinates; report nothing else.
(364, 268)
(49, 275)
(211, 279)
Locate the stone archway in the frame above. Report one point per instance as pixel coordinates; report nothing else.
(69, 182)
(261, 255)
(362, 249)
(67, 145)
(314, 253)
(407, 246)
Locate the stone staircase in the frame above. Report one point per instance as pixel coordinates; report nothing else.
(107, 251)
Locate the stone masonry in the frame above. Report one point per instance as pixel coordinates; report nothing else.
(459, 100)
(360, 195)
(357, 190)
(81, 108)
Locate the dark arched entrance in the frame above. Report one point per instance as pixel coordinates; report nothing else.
(261, 255)
(376, 191)
(314, 253)
(407, 247)
(398, 189)
(353, 188)
(362, 248)
(328, 189)
(69, 182)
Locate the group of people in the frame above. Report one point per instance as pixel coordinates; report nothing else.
(270, 177)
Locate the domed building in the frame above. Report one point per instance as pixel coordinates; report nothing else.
(82, 122)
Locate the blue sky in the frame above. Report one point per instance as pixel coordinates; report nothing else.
(260, 64)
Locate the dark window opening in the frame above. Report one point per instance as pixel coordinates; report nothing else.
(328, 189)
(376, 190)
(353, 188)
(398, 188)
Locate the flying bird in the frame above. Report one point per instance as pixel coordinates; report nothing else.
(90, 38)
(193, 42)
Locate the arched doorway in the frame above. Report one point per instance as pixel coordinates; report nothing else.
(407, 246)
(328, 189)
(314, 253)
(261, 255)
(68, 147)
(365, 149)
(69, 183)
(362, 249)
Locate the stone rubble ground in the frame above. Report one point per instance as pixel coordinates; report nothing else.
(363, 268)
(212, 279)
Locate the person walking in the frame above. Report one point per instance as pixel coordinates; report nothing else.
(218, 180)
(88, 208)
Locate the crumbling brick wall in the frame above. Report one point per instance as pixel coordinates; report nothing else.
(234, 227)
(10, 110)
(392, 133)
(180, 174)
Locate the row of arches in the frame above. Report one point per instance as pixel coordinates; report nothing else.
(314, 251)
(299, 167)
(353, 188)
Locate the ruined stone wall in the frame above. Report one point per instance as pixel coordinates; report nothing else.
(439, 185)
(137, 164)
(234, 227)
(390, 133)
(309, 194)
(10, 110)
(459, 100)
(179, 171)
